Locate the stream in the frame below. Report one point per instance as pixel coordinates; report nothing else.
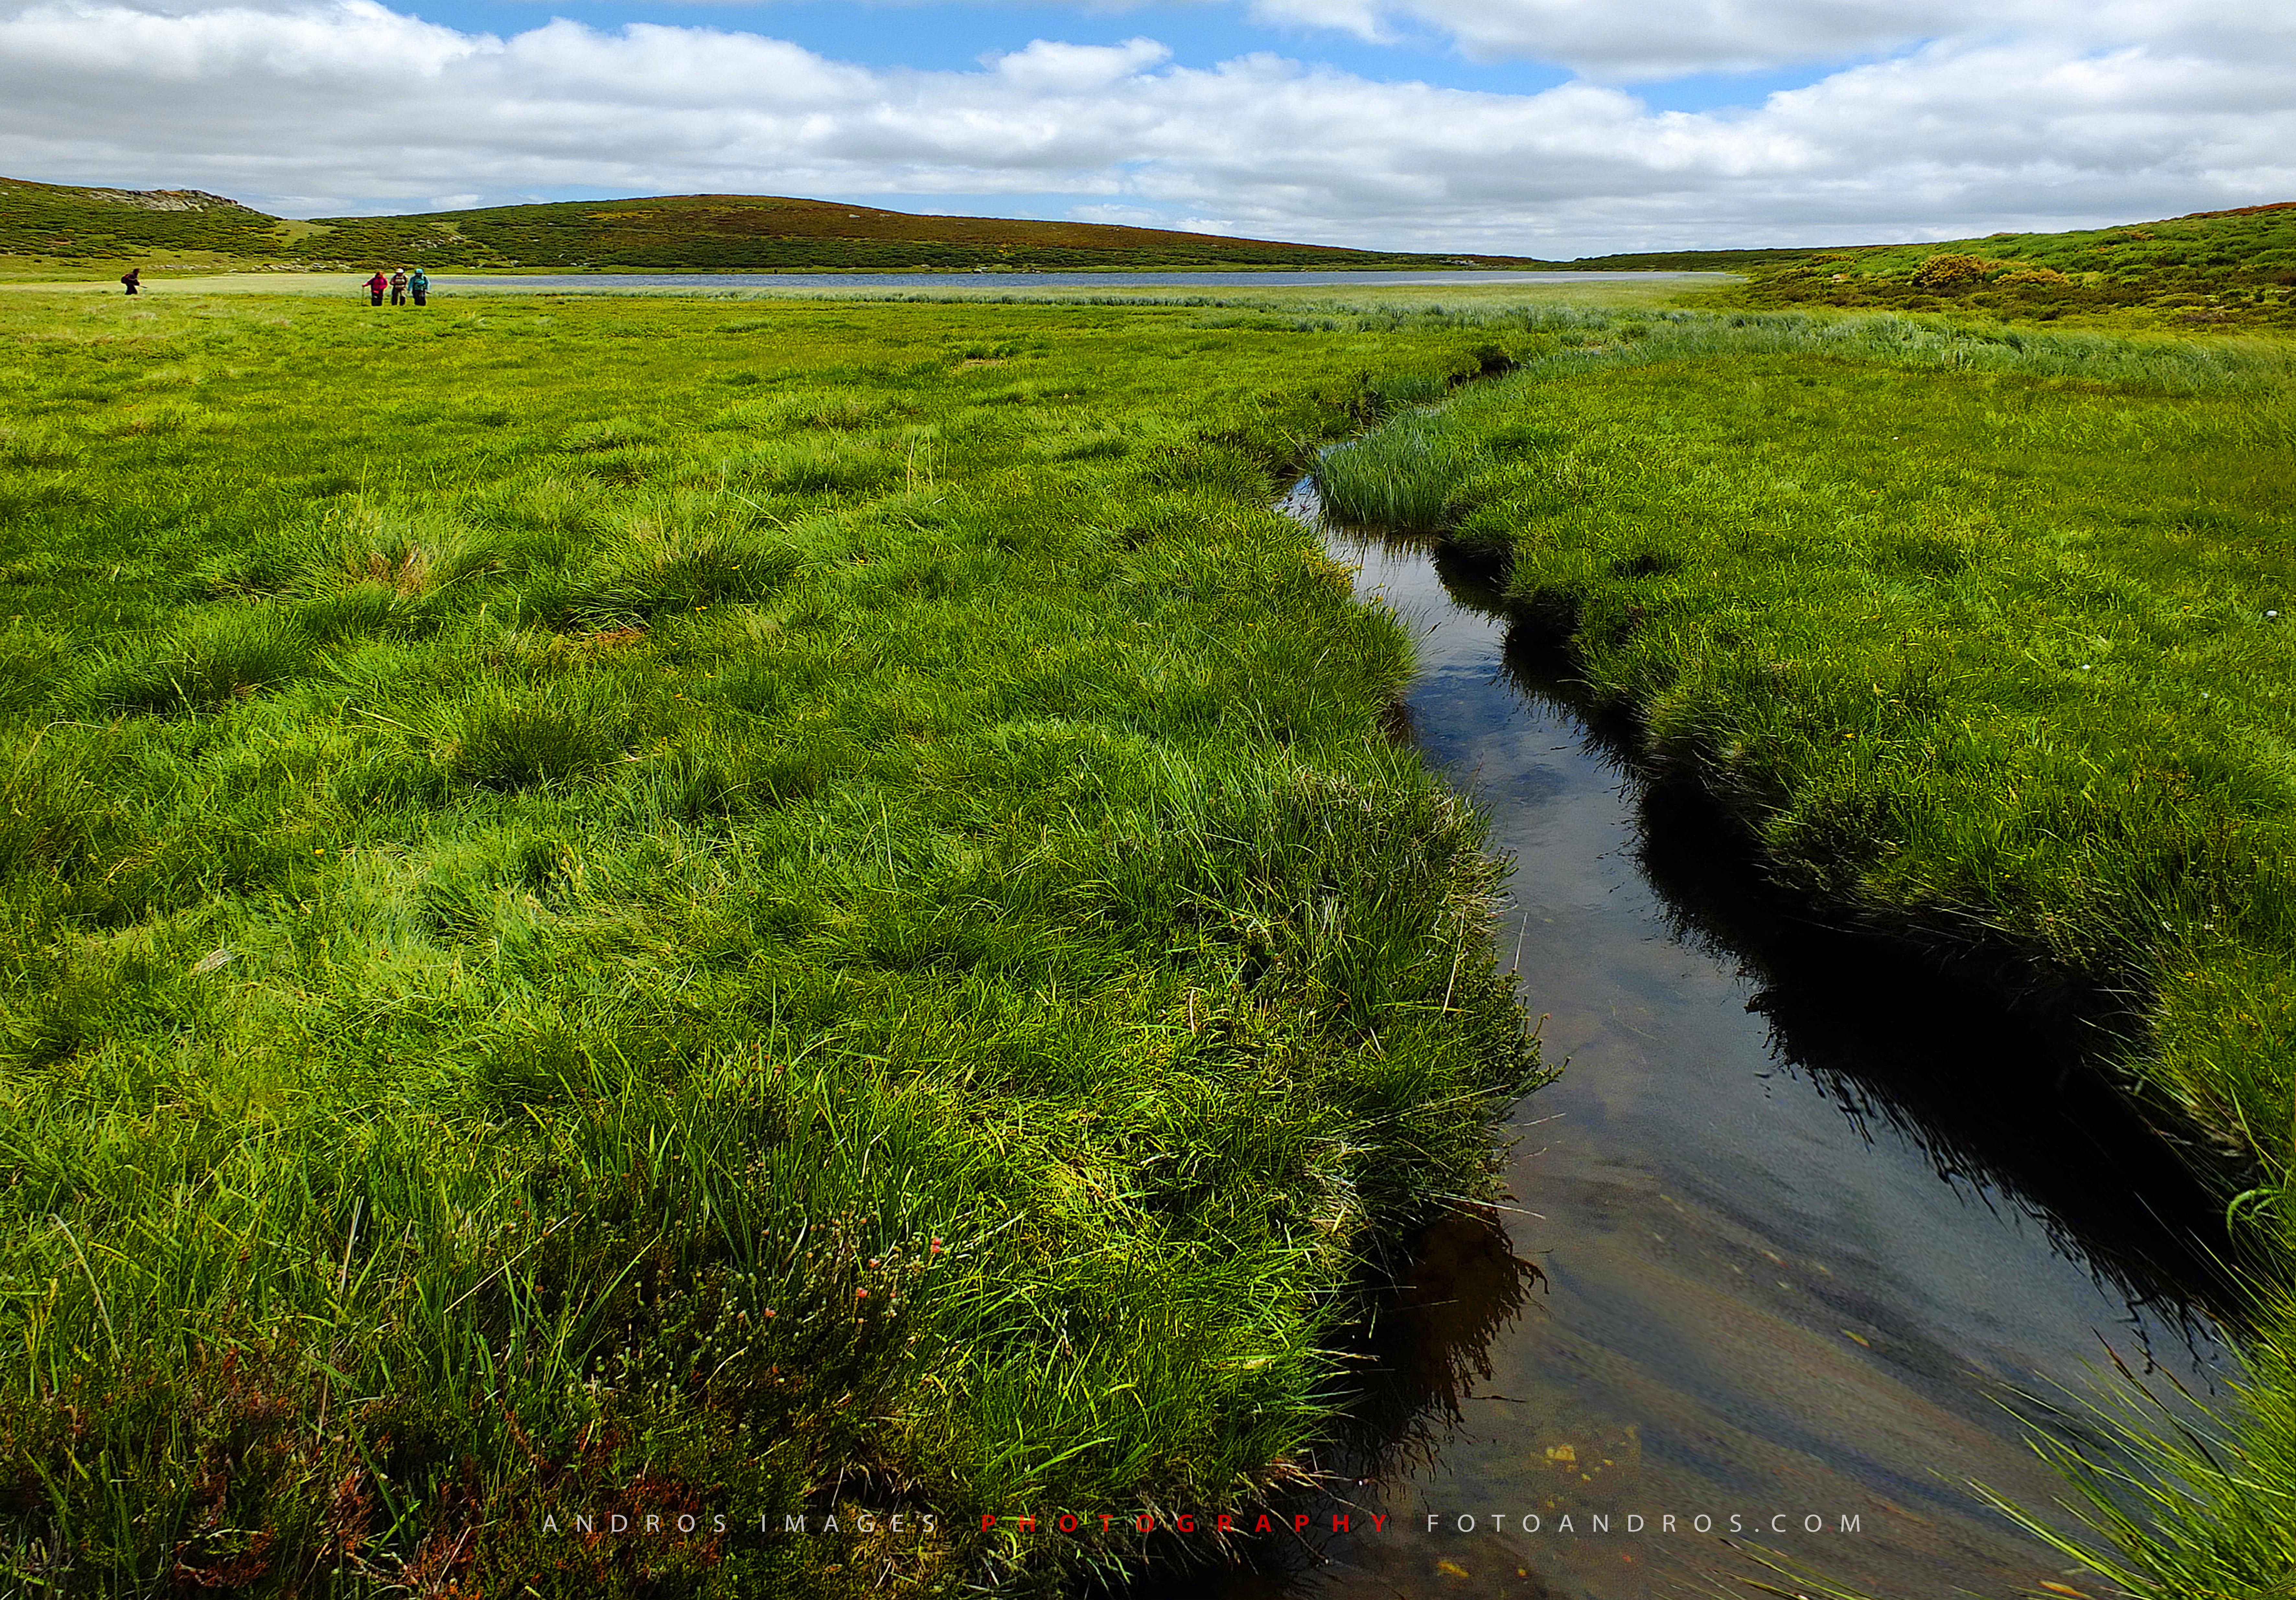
(1785, 1241)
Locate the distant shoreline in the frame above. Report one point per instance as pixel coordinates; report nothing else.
(168, 270)
(1147, 281)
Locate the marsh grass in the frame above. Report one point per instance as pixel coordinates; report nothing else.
(2175, 1499)
(1985, 637)
(568, 954)
(1402, 478)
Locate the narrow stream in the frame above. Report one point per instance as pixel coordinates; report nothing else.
(1791, 1230)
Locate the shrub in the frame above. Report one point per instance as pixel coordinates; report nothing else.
(1946, 271)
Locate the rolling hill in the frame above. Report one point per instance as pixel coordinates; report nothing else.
(2235, 267)
(57, 222)
(706, 233)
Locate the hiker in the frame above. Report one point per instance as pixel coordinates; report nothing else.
(399, 287)
(134, 278)
(418, 284)
(375, 285)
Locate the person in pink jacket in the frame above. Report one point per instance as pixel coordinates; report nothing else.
(375, 286)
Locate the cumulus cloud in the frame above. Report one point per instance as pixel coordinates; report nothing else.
(323, 106)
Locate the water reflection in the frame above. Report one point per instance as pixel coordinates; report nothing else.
(1806, 1215)
(1010, 282)
(2011, 1112)
(2008, 1117)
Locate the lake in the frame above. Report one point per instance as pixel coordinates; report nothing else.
(1045, 280)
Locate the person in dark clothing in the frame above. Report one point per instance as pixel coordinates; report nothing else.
(375, 285)
(134, 279)
(418, 284)
(399, 287)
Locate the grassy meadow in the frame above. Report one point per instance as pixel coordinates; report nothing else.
(1372, 306)
(635, 908)
(1987, 638)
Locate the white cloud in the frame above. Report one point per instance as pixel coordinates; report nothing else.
(1364, 18)
(1046, 68)
(327, 106)
(1649, 39)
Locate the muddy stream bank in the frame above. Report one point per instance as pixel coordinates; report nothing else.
(1789, 1235)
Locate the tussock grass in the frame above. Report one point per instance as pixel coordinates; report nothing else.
(201, 666)
(872, 961)
(1986, 637)
(2176, 1497)
(1401, 477)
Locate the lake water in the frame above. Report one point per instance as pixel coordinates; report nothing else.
(1043, 280)
(1789, 1235)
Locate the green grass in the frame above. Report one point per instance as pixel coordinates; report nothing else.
(662, 907)
(1400, 478)
(1988, 639)
(2231, 269)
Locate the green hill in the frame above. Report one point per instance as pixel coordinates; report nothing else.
(2236, 267)
(57, 222)
(710, 233)
(736, 232)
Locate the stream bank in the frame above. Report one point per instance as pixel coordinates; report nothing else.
(1795, 1234)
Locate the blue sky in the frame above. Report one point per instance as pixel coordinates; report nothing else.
(1549, 128)
(955, 36)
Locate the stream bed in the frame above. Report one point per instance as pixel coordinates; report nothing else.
(1786, 1238)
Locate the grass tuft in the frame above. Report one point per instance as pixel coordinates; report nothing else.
(1401, 477)
(201, 666)
(509, 737)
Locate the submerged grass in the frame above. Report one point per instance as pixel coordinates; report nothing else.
(646, 909)
(1986, 640)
